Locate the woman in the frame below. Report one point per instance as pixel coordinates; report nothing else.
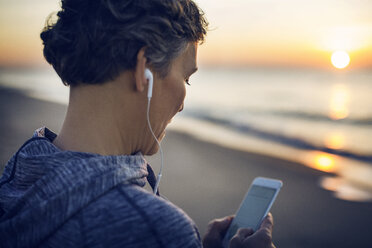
(83, 188)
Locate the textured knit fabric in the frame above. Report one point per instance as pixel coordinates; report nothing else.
(55, 198)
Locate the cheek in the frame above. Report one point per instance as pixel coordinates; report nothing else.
(172, 97)
(176, 95)
(180, 94)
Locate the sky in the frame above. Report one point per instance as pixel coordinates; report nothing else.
(289, 33)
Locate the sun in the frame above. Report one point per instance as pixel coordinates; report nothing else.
(340, 59)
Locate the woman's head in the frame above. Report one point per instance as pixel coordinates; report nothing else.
(94, 41)
(101, 48)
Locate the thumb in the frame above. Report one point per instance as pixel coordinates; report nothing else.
(220, 225)
(215, 232)
(268, 222)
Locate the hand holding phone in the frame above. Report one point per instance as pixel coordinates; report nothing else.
(255, 206)
(245, 237)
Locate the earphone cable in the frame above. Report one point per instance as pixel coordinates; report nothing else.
(161, 150)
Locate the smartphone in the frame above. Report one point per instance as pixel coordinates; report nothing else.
(255, 206)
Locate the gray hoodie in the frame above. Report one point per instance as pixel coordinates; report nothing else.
(55, 198)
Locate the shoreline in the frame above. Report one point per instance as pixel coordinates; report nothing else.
(209, 181)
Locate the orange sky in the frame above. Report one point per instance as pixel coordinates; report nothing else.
(244, 32)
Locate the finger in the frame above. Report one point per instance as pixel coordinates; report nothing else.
(235, 242)
(262, 237)
(268, 222)
(218, 227)
(240, 237)
(216, 230)
(244, 233)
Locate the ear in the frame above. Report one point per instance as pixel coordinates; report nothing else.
(139, 73)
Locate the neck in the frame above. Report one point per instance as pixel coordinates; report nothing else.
(106, 119)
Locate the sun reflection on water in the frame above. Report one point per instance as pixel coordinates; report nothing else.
(335, 140)
(321, 161)
(346, 190)
(324, 163)
(339, 105)
(351, 180)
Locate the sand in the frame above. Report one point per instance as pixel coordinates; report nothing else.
(208, 181)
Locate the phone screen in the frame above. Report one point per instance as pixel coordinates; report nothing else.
(252, 209)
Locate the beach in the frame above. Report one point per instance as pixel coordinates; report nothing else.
(209, 181)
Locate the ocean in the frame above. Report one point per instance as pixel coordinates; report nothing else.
(322, 119)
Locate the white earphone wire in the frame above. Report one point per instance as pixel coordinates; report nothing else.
(161, 150)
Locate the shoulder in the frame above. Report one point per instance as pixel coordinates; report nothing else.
(129, 215)
(170, 222)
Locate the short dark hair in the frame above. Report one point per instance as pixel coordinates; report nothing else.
(93, 41)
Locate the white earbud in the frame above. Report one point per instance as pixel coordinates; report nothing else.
(150, 79)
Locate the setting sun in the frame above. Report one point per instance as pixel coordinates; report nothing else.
(340, 59)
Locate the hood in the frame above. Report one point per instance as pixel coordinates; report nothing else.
(43, 186)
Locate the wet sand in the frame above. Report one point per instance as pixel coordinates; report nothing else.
(208, 181)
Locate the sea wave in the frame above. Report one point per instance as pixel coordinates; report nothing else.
(360, 121)
(295, 142)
